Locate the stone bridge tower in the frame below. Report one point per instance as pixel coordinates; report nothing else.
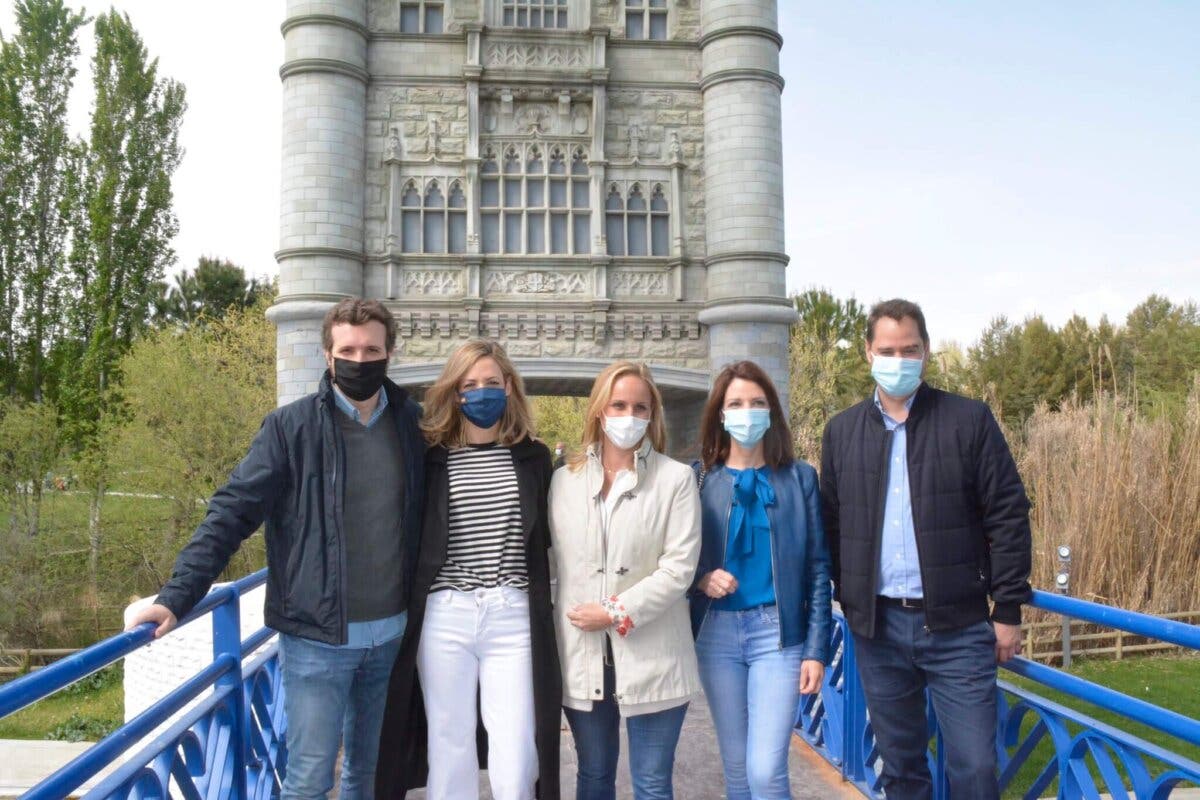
(585, 180)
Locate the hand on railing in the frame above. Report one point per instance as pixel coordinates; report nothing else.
(159, 615)
(1008, 641)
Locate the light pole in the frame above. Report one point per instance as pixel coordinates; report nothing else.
(1062, 584)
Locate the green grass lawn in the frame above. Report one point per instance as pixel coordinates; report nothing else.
(86, 711)
(1172, 682)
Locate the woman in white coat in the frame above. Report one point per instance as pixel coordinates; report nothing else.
(625, 531)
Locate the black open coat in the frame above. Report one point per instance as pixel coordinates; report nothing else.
(403, 762)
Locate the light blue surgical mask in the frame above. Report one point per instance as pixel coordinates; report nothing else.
(747, 425)
(897, 377)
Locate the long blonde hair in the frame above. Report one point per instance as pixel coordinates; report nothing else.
(443, 420)
(602, 389)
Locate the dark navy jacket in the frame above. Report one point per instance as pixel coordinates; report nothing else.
(291, 482)
(969, 510)
(800, 567)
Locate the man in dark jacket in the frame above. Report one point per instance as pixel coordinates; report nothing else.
(926, 518)
(336, 478)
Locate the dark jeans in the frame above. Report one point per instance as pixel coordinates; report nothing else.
(652, 740)
(959, 669)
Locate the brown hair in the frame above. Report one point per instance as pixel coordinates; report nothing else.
(778, 450)
(358, 311)
(443, 420)
(897, 309)
(602, 389)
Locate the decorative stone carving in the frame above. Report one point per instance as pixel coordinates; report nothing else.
(534, 118)
(675, 149)
(653, 284)
(433, 282)
(525, 55)
(537, 282)
(395, 147)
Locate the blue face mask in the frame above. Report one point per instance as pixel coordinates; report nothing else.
(897, 377)
(747, 425)
(484, 407)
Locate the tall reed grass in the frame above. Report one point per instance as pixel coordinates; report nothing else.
(1123, 492)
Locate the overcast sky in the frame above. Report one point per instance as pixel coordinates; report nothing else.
(982, 158)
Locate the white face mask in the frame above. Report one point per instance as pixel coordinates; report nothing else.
(625, 432)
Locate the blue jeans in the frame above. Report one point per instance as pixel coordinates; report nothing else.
(959, 669)
(333, 695)
(652, 740)
(753, 691)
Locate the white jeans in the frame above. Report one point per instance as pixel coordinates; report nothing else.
(478, 639)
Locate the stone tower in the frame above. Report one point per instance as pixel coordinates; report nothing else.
(584, 180)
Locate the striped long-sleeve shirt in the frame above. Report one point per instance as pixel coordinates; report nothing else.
(485, 543)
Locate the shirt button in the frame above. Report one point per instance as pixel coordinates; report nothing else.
(896, 490)
(597, 691)
(895, 522)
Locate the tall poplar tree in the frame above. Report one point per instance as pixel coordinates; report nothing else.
(43, 56)
(123, 243)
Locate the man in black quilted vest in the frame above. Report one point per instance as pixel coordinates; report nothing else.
(927, 521)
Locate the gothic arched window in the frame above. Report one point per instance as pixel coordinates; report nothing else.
(433, 222)
(534, 13)
(635, 226)
(532, 203)
(421, 16)
(646, 19)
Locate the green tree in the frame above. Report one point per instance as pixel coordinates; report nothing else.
(123, 243)
(829, 370)
(42, 56)
(12, 184)
(1162, 351)
(194, 401)
(559, 419)
(29, 449)
(216, 286)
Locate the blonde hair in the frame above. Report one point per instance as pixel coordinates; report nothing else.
(442, 422)
(602, 389)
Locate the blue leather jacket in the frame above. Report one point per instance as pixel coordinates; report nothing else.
(799, 553)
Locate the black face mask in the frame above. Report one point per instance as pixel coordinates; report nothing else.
(359, 380)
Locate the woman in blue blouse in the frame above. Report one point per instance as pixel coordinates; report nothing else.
(760, 609)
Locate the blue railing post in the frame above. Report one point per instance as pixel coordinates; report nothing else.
(227, 640)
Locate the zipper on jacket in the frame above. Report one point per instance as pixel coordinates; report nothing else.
(916, 533)
(774, 573)
(886, 454)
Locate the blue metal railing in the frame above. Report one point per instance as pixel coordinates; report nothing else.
(1089, 757)
(231, 742)
(228, 745)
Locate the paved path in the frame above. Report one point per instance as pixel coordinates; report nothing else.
(698, 767)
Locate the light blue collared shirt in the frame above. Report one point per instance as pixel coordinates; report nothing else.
(344, 404)
(899, 565)
(374, 632)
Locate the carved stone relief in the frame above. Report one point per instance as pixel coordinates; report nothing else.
(654, 284)
(526, 55)
(433, 282)
(509, 117)
(539, 282)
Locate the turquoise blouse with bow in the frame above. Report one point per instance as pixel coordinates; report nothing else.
(748, 546)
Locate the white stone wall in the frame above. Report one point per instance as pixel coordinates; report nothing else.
(156, 669)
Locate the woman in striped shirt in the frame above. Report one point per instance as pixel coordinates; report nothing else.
(480, 630)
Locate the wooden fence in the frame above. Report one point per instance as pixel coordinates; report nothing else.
(22, 660)
(1043, 639)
